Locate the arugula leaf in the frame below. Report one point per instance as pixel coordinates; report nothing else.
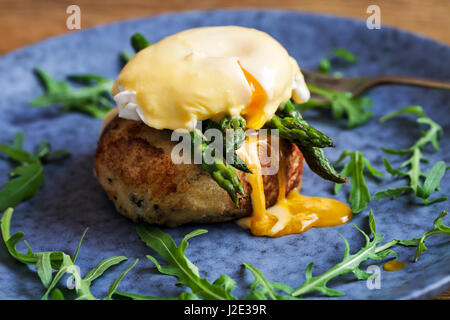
(17, 142)
(178, 265)
(355, 109)
(390, 169)
(67, 266)
(43, 261)
(394, 193)
(359, 195)
(94, 98)
(102, 267)
(350, 263)
(343, 54)
(417, 110)
(261, 288)
(44, 267)
(28, 176)
(371, 250)
(45, 154)
(18, 155)
(115, 283)
(75, 255)
(56, 295)
(27, 180)
(46, 262)
(324, 65)
(11, 241)
(438, 228)
(188, 274)
(133, 296)
(432, 178)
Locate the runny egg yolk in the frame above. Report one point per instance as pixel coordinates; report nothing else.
(294, 213)
(254, 112)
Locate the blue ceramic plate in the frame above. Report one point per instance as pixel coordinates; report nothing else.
(71, 199)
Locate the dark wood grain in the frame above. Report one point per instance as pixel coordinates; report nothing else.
(27, 21)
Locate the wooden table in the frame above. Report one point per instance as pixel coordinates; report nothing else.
(26, 21)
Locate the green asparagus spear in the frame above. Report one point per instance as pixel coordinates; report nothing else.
(289, 110)
(309, 144)
(221, 172)
(319, 164)
(237, 124)
(237, 127)
(300, 132)
(139, 42)
(290, 121)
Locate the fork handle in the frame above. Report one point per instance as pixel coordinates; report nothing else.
(420, 82)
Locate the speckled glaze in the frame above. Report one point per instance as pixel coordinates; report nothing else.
(71, 199)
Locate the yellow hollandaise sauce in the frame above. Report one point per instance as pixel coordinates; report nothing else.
(207, 73)
(294, 213)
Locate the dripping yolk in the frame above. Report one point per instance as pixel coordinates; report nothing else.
(292, 213)
(394, 265)
(254, 112)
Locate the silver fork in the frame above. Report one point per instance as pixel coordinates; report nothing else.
(359, 85)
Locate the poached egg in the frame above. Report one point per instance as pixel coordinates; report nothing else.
(207, 73)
